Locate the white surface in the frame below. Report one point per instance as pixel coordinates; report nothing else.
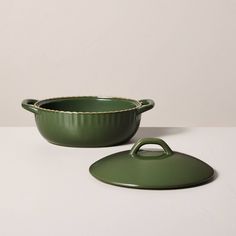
(179, 53)
(47, 190)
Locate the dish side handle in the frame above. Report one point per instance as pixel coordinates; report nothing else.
(28, 104)
(146, 104)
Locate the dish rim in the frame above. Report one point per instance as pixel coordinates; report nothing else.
(37, 104)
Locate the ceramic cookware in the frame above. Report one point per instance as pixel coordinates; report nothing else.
(87, 121)
(162, 169)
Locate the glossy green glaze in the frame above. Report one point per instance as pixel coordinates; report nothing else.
(87, 121)
(138, 168)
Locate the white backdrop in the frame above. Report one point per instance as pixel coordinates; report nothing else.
(180, 53)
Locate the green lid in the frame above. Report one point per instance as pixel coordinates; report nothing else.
(164, 169)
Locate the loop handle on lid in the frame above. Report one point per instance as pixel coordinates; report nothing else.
(143, 141)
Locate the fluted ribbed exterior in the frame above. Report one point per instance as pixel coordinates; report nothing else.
(88, 129)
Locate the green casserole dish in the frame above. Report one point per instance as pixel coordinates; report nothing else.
(87, 121)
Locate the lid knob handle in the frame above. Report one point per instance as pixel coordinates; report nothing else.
(143, 141)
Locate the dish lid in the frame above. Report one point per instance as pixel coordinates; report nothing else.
(159, 169)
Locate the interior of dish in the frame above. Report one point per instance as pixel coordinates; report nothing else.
(88, 104)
